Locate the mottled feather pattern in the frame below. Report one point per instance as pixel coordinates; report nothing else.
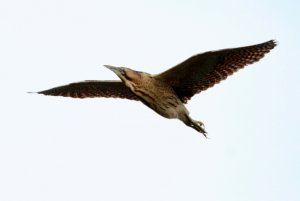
(188, 78)
(166, 92)
(230, 62)
(209, 68)
(92, 89)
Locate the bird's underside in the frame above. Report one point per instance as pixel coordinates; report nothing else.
(186, 79)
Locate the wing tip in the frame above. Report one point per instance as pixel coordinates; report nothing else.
(35, 92)
(273, 43)
(41, 92)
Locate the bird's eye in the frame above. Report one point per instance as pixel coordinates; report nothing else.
(122, 70)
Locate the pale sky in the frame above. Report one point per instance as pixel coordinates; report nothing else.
(56, 148)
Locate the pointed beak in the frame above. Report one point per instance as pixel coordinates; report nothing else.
(113, 68)
(116, 70)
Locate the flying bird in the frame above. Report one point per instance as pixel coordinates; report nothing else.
(167, 92)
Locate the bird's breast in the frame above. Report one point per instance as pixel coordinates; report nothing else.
(161, 98)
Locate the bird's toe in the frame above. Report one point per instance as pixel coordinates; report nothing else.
(201, 124)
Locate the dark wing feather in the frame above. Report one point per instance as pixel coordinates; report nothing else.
(91, 89)
(202, 71)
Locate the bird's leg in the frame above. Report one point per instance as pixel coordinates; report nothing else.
(197, 125)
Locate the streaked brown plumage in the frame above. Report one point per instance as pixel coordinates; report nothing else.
(166, 92)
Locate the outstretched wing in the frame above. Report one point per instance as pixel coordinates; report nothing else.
(202, 71)
(92, 89)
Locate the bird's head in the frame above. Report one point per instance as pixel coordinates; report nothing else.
(128, 76)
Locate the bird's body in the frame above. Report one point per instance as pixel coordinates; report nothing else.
(160, 97)
(152, 91)
(167, 92)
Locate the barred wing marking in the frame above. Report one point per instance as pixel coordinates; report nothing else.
(92, 89)
(202, 71)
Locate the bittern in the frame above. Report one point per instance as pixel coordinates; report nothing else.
(167, 92)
